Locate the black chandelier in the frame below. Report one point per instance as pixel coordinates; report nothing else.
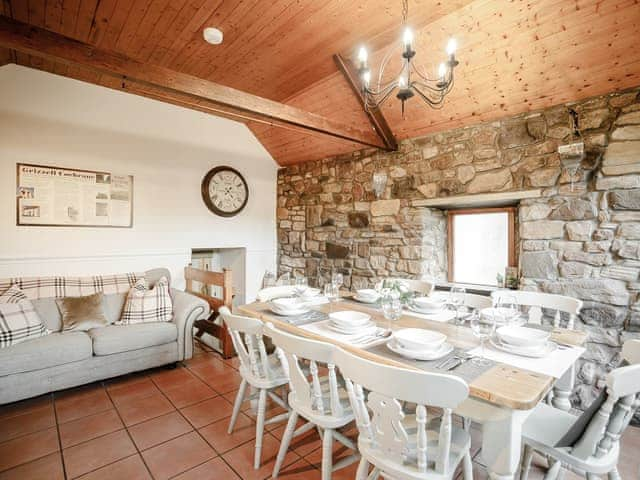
(410, 80)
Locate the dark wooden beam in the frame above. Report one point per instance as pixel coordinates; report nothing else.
(376, 117)
(210, 96)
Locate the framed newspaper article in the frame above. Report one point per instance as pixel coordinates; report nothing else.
(68, 197)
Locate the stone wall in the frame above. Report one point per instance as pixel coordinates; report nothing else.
(581, 238)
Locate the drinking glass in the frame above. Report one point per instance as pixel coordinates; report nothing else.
(269, 279)
(482, 327)
(337, 279)
(331, 292)
(456, 299)
(506, 306)
(391, 308)
(301, 285)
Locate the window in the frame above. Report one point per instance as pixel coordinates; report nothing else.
(481, 244)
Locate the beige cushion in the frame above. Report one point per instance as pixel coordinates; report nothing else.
(82, 313)
(123, 338)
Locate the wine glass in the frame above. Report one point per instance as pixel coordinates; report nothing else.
(301, 285)
(456, 298)
(391, 308)
(331, 292)
(482, 327)
(506, 307)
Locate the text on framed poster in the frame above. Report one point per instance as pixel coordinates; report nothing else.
(60, 197)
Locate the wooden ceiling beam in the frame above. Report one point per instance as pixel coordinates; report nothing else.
(41, 43)
(375, 115)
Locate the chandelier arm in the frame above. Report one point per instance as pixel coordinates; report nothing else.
(383, 91)
(424, 77)
(383, 65)
(431, 88)
(429, 100)
(377, 102)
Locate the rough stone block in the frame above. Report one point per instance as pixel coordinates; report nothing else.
(602, 315)
(603, 234)
(466, 173)
(622, 182)
(385, 207)
(630, 118)
(534, 245)
(542, 229)
(514, 134)
(630, 250)
(565, 245)
(491, 181)
(625, 199)
(314, 216)
(593, 118)
(536, 211)
(543, 265)
(629, 231)
(544, 177)
(629, 274)
(536, 127)
(574, 270)
(596, 259)
(579, 231)
(600, 246)
(358, 220)
(574, 209)
(609, 291)
(630, 132)
(334, 250)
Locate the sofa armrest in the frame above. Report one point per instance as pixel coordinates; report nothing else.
(187, 309)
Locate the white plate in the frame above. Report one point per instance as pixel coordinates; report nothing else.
(364, 300)
(368, 294)
(429, 304)
(428, 311)
(349, 318)
(360, 330)
(419, 339)
(540, 352)
(445, 349)
(522, 336)
(289, 313)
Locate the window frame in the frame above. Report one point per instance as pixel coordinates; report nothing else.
(511, 234)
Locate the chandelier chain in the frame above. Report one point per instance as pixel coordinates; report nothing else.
(405, 11)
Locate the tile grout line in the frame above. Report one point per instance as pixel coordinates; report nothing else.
(126, 428)
(55, 416)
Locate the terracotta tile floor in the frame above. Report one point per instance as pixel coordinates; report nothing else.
(172, 423)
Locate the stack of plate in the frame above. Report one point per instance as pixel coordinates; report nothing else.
(419, 344)
(523, 341)
(367, 295)
(503, 316)
(427, 305)
(289, 306)
(348, 322)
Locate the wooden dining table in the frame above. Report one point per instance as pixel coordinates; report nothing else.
(500, 398)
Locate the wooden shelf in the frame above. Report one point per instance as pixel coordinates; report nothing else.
(478, 200)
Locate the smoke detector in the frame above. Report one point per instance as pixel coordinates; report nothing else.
(212, 35)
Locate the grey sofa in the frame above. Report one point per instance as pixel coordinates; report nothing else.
(62, 360)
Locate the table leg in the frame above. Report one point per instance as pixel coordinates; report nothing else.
(501, 436)
(562, 390)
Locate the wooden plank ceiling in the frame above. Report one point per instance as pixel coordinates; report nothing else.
(515, 55)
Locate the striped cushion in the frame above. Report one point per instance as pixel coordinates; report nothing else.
(146, 305)
(19, 320)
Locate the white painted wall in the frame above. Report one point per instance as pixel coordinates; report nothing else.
(51, 120)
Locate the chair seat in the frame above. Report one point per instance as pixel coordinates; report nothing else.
(460, 444)
(278, 376)
(44, 352)
(546, 425)
(123, 338)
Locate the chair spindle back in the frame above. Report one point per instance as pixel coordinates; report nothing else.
(537, 301)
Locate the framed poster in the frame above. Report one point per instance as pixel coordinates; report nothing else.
(68, 197)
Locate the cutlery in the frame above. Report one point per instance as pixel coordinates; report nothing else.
(369, 338)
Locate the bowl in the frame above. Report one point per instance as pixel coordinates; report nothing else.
(311, 293)
(288, 303)
(429, 304)
(523, 336)
(349, 318)
(367, 294)
(419, 339)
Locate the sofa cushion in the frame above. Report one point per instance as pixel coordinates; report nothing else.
(122, 338)
(48, 351)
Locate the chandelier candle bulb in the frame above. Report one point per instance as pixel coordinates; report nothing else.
(362, 57)
(451, 47)
(442, 71)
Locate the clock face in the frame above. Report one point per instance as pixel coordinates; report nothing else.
(224, 191)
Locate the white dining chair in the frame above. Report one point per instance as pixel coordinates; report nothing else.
(320, 400)
(471, 300)
(596, 450)
(421, 286)
(560, 305)
(535, 302)
(261, 371)
(399, 444)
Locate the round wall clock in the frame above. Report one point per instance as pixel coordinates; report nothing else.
(224, 191)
